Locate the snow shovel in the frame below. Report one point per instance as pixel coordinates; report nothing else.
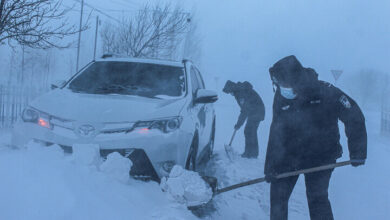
(212, 181)
(228, 148)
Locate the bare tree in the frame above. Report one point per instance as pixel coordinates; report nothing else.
(34, 23)
(110, 38)
(154, 31)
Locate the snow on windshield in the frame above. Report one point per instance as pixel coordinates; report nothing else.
(128, 78)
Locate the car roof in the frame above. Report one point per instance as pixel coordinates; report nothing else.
(141, 60)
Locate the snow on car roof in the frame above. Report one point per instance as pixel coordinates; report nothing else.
(140, 60)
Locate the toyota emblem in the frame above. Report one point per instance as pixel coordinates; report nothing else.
(86, 130)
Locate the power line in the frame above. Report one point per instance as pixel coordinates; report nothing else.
(119, 10)
(126, 4)
(136, 10)
(115, 10)
(100, 11)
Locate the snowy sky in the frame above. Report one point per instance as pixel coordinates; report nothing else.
(242, 39)
(248, 36)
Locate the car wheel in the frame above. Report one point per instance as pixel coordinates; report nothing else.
(191, 159)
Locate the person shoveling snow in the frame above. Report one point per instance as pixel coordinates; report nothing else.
(252, 111)
(187, 187)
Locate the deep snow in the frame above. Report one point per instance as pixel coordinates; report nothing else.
(186, 187)
(42, 183)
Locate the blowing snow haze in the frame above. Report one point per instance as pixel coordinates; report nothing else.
(67, 144)
(327, 35)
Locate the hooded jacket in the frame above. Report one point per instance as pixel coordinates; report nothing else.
(304, 132)
(251, 104)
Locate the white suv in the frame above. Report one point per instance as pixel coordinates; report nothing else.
(122, 104)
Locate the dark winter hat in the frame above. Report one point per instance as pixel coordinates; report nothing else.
(229, 87)
(286, 70)
(289, 71)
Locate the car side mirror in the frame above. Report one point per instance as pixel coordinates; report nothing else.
(58, 84)
(205, 96)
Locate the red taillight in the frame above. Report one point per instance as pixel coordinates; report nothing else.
(42, 122)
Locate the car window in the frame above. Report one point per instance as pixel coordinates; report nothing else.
(130, 78)
(194, 80)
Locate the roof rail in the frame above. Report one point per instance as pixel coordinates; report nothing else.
(186, 60)
(112, 55)
(115, 55)
(107, 56)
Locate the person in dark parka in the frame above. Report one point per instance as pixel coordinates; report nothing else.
(252, 111)
(304, 133)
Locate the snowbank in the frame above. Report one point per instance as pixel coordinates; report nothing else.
(86, 154)
(187, 187)
(43, 183)
(117, 166)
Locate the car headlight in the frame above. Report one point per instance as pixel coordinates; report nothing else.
(164, 125)
(34, 116)
(30, 115)
(172, 124)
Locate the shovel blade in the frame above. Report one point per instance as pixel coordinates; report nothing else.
(229, 151)
(200, 205)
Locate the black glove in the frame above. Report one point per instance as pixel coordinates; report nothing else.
(269, 178)
(237, 126)
(357, 162)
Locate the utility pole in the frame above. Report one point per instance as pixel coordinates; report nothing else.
(216, 79)
(96, 35)
(187, 36)
(78, 44)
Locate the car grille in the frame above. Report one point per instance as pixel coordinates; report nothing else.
(106, 128)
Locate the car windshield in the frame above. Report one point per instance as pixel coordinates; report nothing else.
(130, 78)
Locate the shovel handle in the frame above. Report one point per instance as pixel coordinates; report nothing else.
(283, 175)
(314, 169)
(231, 139)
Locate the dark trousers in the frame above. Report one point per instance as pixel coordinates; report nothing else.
(251, 142)
(317, 184)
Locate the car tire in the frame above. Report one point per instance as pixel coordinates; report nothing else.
(191, 159)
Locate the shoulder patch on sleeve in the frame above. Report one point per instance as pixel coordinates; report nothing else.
(344, 101)
(286, 107)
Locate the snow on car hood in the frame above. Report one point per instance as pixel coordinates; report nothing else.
(65, 104)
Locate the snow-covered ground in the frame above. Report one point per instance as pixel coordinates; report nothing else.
(43, 183)
(355, 193)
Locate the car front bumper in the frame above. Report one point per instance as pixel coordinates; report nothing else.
(160, 147)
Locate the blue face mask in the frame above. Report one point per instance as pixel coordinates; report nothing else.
(287, 93)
